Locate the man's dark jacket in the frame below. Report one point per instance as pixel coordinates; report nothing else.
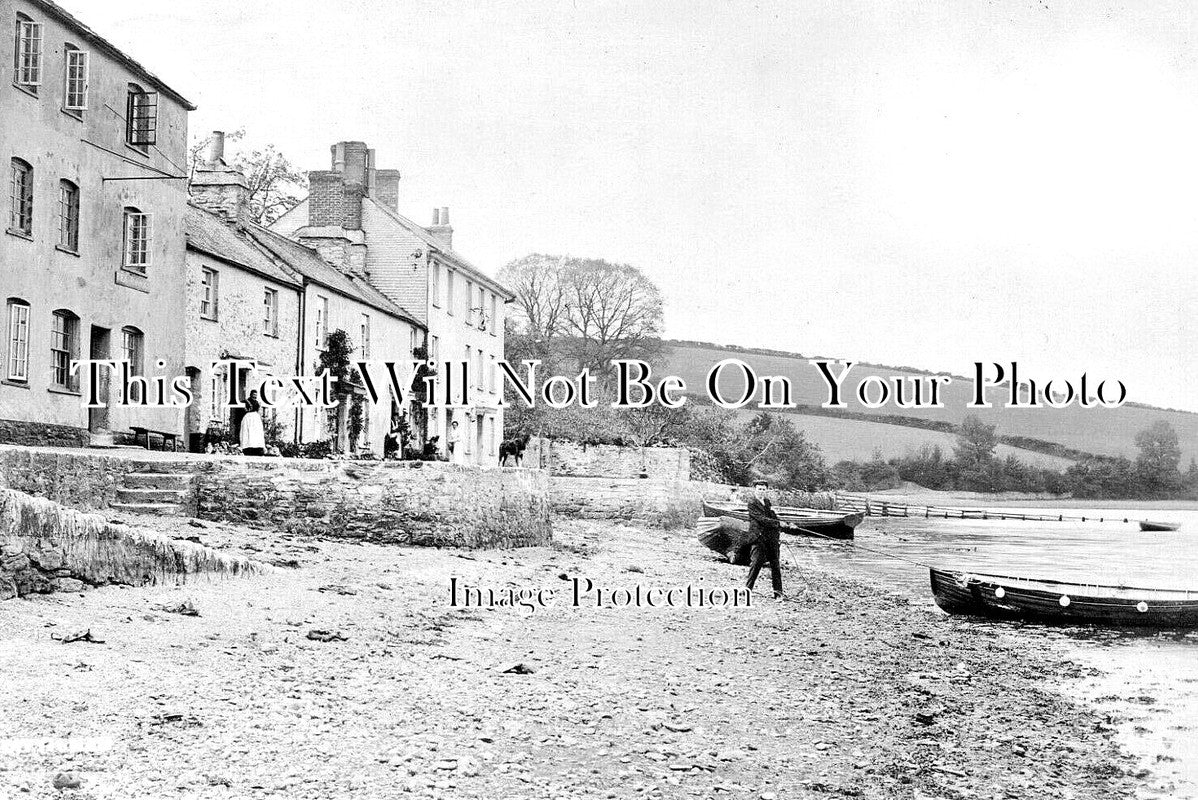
(763, 521)
(764, 538)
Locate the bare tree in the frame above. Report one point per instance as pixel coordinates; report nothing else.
(275, 185)
(586, 311)
(540, 302)
(612, 311)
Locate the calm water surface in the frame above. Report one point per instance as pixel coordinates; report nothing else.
(1149, 678)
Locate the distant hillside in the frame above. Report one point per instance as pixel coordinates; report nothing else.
(1096, 430)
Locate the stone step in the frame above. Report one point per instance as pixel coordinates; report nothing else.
(157, 480)
(167, 467)
(127, 495)
(156, 509)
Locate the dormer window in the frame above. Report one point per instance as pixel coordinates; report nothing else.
(76, 77)
(141, 117)
(27, 65)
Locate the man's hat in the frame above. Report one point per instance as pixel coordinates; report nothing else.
(766, 484)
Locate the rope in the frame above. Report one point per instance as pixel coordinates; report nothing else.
(854, 543)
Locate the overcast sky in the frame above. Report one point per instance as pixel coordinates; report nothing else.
(923, 184)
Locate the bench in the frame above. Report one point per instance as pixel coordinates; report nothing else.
(167, 436)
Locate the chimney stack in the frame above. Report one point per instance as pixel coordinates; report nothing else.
(386, 188)
(219, 188)
(441, 228)
(216, 148)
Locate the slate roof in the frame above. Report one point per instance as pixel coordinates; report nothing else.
(278, 258)
(436, 244)
(309, 264)
(210, 235)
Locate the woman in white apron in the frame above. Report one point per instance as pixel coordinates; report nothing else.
(253, 440)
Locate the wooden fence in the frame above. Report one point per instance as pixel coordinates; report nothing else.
(874, 507)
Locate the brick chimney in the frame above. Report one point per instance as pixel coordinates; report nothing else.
(441, 228)
(219, 188)
(386, 188)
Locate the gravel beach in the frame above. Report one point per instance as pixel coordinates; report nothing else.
(346, 672)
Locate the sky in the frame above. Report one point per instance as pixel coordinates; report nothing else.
(916, 184)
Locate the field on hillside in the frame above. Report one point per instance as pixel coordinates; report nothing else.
(1104, 431)
(842, 439)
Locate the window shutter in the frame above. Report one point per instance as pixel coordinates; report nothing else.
(78, 75)
(147, 238)
(130, 120)
(149, 108)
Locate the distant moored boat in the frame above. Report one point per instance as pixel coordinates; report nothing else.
(1005, 597)
(1149, 525)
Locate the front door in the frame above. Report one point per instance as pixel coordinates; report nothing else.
(100, 347)
(480, 454)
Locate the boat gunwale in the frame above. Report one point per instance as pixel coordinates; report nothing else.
(1005, 582)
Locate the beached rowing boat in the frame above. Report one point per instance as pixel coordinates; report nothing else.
(1005, 597)
(1149, 525)
(795, 521)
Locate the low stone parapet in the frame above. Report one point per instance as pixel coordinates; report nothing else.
(395, 502)
(657, 503)
(564, 457)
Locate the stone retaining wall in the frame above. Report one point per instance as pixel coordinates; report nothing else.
(400, 502)
(657, 503)
(562, 457)
(80, 480)
(407, 502)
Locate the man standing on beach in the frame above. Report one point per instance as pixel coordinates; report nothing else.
(764, 537)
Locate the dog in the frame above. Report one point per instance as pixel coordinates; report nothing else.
(514, 449)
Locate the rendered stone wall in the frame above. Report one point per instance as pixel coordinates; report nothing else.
(562, 457)
(41, 434)
(394, 502)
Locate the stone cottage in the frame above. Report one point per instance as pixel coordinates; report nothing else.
(256, 295)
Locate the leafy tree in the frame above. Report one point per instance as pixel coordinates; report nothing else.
(1160, 457)
(337, 358)
(976, 442)
(275, 185)
(774, 450)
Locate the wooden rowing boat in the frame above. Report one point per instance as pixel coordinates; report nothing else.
(795, 521)
(1063, 603)
(727, 536)
(1149, 525)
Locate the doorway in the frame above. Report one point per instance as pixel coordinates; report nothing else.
(99, 348)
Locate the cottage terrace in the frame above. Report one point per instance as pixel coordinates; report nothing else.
(390, 502)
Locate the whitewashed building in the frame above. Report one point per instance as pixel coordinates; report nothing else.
(351, 216)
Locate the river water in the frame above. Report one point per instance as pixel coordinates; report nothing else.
(1148, 679)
